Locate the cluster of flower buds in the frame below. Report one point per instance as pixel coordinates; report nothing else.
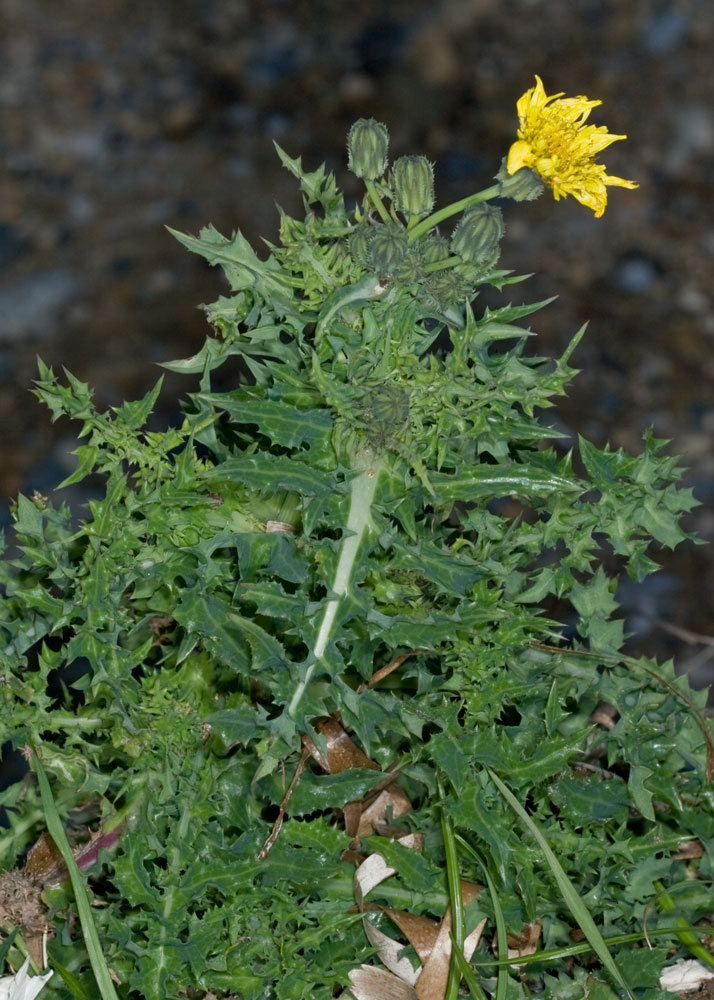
(412, 177)
(442, 271)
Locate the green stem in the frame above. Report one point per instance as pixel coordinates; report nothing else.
(687, 938)
(457, 206)
(359, 522)
(376, 200)
(442, 265)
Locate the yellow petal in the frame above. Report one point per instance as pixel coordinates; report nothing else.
(519, 155)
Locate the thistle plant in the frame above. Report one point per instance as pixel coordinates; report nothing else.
(326, 695)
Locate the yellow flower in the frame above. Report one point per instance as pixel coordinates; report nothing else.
(554, 140)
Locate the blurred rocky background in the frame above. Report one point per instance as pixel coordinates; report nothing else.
(118, 117)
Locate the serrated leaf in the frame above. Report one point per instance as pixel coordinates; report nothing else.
(318, 185)
(641, 795)
(284, 424)
(497, 481)
(211, 619)
(330, 791)
(241, 265)
(262, 472)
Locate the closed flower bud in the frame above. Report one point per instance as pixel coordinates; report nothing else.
(388, 248)
(448, 289)
(524, 185)
(367, 145)
(413, 185)
(358, 244)
(435, 248)
(476, 238)
(411, 269)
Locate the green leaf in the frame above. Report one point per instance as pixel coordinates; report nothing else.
(493, 481)
(212, 355)
(641, 796)
(262, 472)
(241, 265)
(214, 620)
(317, 186)
(329, 791)
(231, 727)
(283, 424)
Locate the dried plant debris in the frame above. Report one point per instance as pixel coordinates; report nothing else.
(688, 977)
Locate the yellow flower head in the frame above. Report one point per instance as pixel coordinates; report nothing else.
(554, 140)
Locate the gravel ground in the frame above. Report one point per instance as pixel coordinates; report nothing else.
(119, 117)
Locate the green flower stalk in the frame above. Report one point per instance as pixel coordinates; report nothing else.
(359, 523)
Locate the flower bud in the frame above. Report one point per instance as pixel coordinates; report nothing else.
(523, 185)
(413, 185)
(476, 238)
(367, 145)
(358, 244)
(388, 247)
(411, 269)
(448, 288)
(435, 248)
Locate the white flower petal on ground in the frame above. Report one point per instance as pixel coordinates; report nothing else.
(685, 975)
(22, 986)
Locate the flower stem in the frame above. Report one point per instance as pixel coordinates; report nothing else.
(376, 200)
(442, 265)
(457, 206)
(359, 522)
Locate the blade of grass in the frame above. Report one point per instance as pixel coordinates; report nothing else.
(501, 933)
(467, 972)
(7, 945)
(15, 937)
(71, 982)
(555, 954)
(568, 890)
(455, 899)
(89, 931)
